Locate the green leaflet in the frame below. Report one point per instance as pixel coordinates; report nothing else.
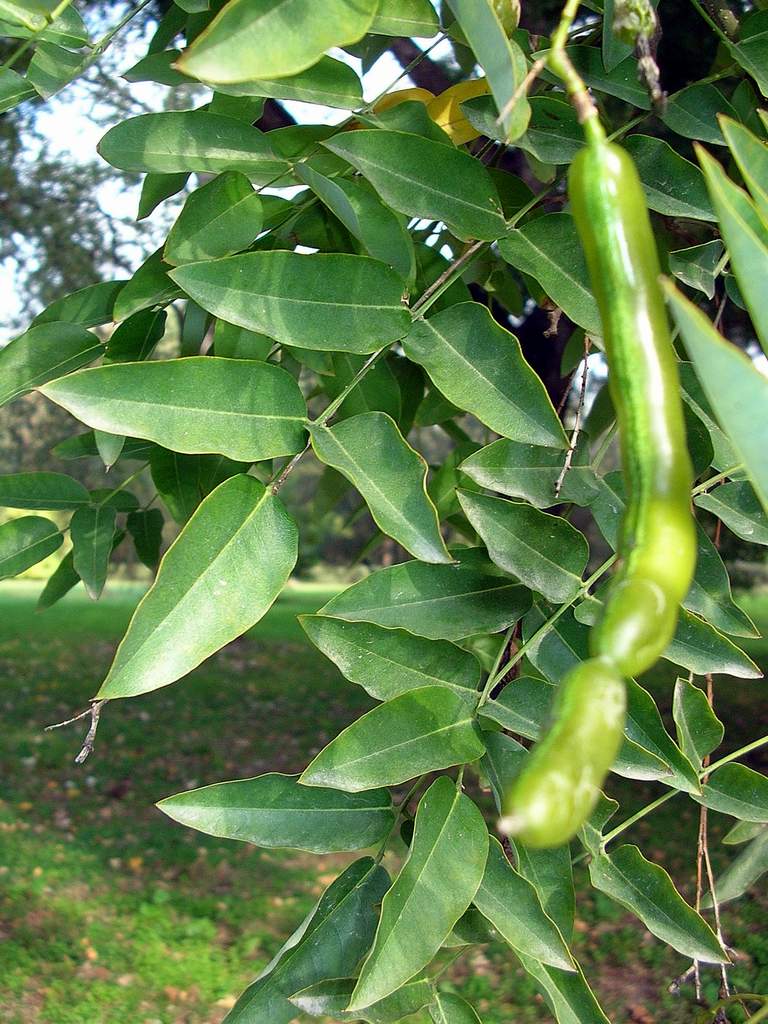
(26, 541)
(49, 491)
(699, 730)
(216, 580)
(221, 217)
(45, 351)
(183, 481)
(447, 1008)
(544, 552)
(403, 168)
(329, 301)
(736, 389)
(416, 732)
(531, 472)
(149, 286)
(548, 248)
(751, 156)
(512, 906)
(329, 82)
(330, 998)
(745, 233)
(245, 410)
(435, 886)
(673, 185)
(696, 266)
(442, 602)
(736, 505)
(382, 232)
(14, 89)
(743, 871)
(693, 112)
(261, 39)
(479, 367)
(405, 18)
(388, 662)
(501, 58)
(190, 140)
(374, 456)
(647, 890)
(328, 943)
(568, 995)
(737, 790)
(92, 531)
(90, 306)
(146, 528)
(274, 811)
(135, 338)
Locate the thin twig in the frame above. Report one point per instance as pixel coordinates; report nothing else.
(536, 68)
(654, 804)
(94, 711)
(436, 286)
(720, 311)
(69, 721)
(701, 842)
(289, 467)
(724, 986)
(577, 422)
(682, 979)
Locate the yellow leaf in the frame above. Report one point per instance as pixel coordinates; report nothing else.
(394, 99)
(445, 109)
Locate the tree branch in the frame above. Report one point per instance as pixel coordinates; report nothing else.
(426, 74)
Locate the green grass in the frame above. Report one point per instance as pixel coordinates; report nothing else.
(112, 914)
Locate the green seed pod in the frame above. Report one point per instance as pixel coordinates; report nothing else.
(560, 784)
(658, 545)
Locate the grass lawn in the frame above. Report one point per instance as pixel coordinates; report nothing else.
(112, 914)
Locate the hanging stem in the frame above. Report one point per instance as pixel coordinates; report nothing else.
(560, 63)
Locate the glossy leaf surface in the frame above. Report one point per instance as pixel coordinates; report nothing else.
(419, 731)
(216, 580)
(242, 409)
(26, 541)
(435, 886)
(330, 301)
(403, 168)
(372, 454)
(479, 367)
(274, 811)
(441, 602)
(388, 662)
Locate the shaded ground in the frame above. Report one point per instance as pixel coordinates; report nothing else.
(111, 914)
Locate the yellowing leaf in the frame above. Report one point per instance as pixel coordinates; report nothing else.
(445, 109)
